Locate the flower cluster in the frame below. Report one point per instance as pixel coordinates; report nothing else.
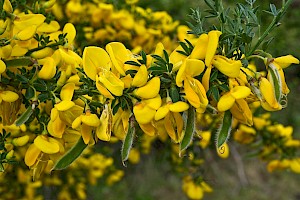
(55, 102)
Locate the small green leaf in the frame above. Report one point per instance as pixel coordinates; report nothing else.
(130, 62)
(128, 141)
(144, 56)
(70, 156)
(29, 93)
(131, 71)
(24, 117)
(273, 9)
(223, 133)
(189, 130)
(174, 94)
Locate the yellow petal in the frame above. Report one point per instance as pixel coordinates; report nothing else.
(45, 145)
(230, 68)
(285, 61)
(48, 70)
(26, 33)
(148, 129)
(56, 128)
(67, 92)
(53, 26)
(7, 6)
(213, 41)
(141, 77)
(23, 21)
(43, 53)
(206, 78)
(241, 111)
(31, 155)
(295, 165)
(153, 103)
(177, 58)
(161, 112)
(240, 92)
(103, 131)
(179, 106)
(86, 133)
(143, 113)
(102, 89)
(64, 105)
(150, 90)
(118, 54)
(9, 96)
(76, 123)
(267, 92)
(90, 120)
(225, 102)
(18, 51)
(95, 58)
(70, 30)
(194, 67)
(2, 66)
(191, 95)
(112, 83)
(200, 48)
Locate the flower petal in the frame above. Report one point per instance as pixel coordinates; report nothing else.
(225, 102)
(285, 61)
(240, 92)
(9, 96)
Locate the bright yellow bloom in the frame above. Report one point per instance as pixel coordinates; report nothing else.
(268, 101)
(285, 61)
(241, 111)
(141, 77)
(48, 70)
(229, 98)
(86, 123)
(104, 130)
(8, 96)
(174, 125)
(179, 106)
(150, 90)
(230, 68)
(195, 94)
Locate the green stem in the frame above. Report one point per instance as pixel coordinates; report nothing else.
(275, 21)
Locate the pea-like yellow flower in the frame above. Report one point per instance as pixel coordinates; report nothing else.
(53, 26)
(150, 90)
(104, 130)
(241, 111)
(86, 123)
(48, 70)
(179, 106)
(145, 110)
(8, 96)
(195, 94)
(244, 134)
(286, 61)
(121, 123)
(141, 77)
(229, 98)
(118, 55)
(26, 33)
(174, 125)
(268, 100)
(230, 68)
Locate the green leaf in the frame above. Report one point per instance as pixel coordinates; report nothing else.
(144, 56)
(70, 156)
(189, 130)
(273, 9)
(24, 117)
(131, 71)
(130, 62)
(158, 58)
(174, 94)
(223, 133)
(128, 141)
(29, 93)
(276, 83)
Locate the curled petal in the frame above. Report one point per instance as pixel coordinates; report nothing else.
(200, 48)
(154, 103)
(112, 83)
(230, 68)
(90, 120)
(45, 145)
(95, 58)
(70, 30)
(161, 112)
(148, 129)
(64, 105)
(118, 55)
(240, 92)
(285, 61)
(9, 96)
(31, 155)
(143, 113)
(213, 41)
(179, 106)
(2, 66)
(67, 91)
(225, 102)
(141, 77)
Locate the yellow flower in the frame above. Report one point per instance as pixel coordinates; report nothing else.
(86, 123)
(229, 98)
(48, 70)
(241, 111)
(230, 68)
(145, 110)
(174, 125)
(268, 100)
(150, 90)
(8, 96)
(285, 61)
(179, 106)
(244, 134)
(103, 131)
(195, 94)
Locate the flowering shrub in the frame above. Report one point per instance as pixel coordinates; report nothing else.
(60, 108)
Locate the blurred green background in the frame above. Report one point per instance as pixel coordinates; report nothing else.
(237, 177)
